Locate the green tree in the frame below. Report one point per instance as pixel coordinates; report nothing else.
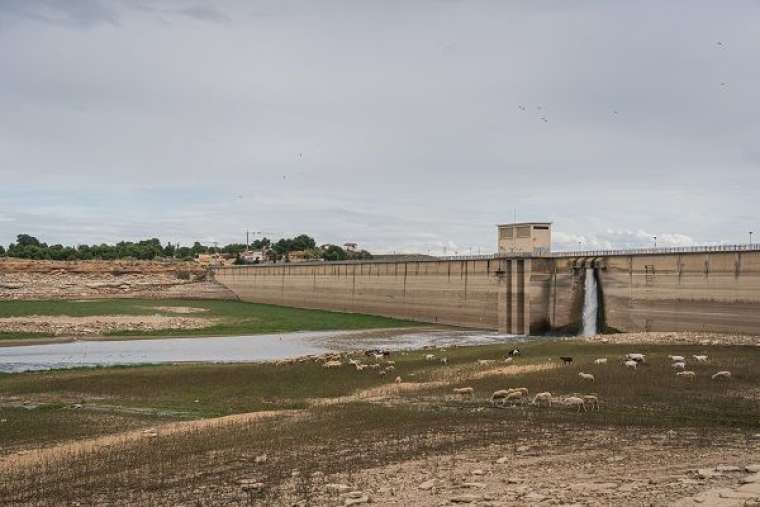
(333, 253)
(2, 251)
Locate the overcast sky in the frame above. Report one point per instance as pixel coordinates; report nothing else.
(401, 125)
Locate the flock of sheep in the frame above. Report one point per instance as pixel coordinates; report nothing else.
(586, 402)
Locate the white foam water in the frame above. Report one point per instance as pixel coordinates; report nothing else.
(590, 304)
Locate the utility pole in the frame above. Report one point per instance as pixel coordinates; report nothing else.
(655, 241)
(246, 241)
(750, 238)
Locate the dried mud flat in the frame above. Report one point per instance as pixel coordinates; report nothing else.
(680, 338)
(97, 325)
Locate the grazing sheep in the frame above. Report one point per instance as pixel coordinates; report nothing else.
(566, 360)
(332, 364)
(639, 358)
(687, 374)
(392, 363)
(700, 359)
(514, 352)
(586, 376)
(575, 401)
(504, 395)
(397, 380)
(360, 367)
(545, 398)
(676, 359)
(382, 373)
(523, 390)
(722, 375)
(592, 401)
(429, 357)
(485, 362)
(601, 360)
(631, 364)
(464, 392)
(444, 361)
(374, 366)
(680, 365)
(508, 360)
(353, 362)
(499, 395)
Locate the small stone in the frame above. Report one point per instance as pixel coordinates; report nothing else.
(513, 480)
(749, 479)
(261, 459)
(523, 448)
(428, 484)
(473, 485)
(478, 471)
(340, 488)
(706, 473)
(354, 494)
(464, 499)
(753, 469)
(534, 497)
(356, 501)
(503, 460)
(727, 468)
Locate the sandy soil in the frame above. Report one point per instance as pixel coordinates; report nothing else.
(97, 325)
(179, 309)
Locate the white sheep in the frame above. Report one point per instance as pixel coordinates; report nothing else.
(360, 367)
(444, 361)
(601, 360)
(700, 359)
(464, 392)
(545, 398)
(676, 359)
(485, 362)
(575, 401)
(397, 380)
(631, 364)
(687, 374)
(680, 365)
(722, 375)
(508, 360)
(636, 357)
(504, 395)
(499, 395)
(332, 364)
(429, 357)
(592, 400)
(586, 376)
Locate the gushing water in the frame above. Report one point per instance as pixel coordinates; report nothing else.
(590, 304)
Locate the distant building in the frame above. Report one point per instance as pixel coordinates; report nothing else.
(253, 256)
(527, 238)
(210, 259)
(300, 256)
(350, 247)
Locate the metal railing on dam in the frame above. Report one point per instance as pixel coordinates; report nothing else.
(659, 251)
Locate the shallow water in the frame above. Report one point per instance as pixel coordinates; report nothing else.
(226, 349)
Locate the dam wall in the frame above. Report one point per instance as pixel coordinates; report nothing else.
(690, 291)
(498, 293)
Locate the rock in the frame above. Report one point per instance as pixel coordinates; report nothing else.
(753, 469)
(261, 459)
(474, 485)
(503, 460)
(727, 468)
(11, 286)
(340, 488)
(464, 499)
(478, 471)
(706, 473)
(354, 494)
(430, 484)
(513, 480)
(534, 497)
(356, 501)
(523, 448)
(749, 479)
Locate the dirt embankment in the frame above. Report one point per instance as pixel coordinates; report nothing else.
(22, 279)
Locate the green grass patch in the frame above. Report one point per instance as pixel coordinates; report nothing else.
(230, 317)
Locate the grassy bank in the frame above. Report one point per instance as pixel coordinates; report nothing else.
(228, 317)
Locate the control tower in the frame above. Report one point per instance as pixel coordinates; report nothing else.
(525, 238)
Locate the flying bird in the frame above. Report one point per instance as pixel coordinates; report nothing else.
(521, 108)
(543, 118)
(300, 155)
(719, 44)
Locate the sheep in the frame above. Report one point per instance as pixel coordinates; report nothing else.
(677, 359)
(592, 400)
(508, 360)
(429, 357)
(575, 401)
(464, 392)
(444, 361)
(687, 374)
(545, 398)
(601, 360)
(397, 380)
(374, 366)
(523, 390)
(392, 363)
(504, 395)
(360, 367)
(382, 373)
(586, 376)
(566, 360)
(680, 365)
(639, 358)
(514, 352)
(390, 367)
(700, 359)
(332, 364)
(485, 362)
(631, 364)
(353, 362)
(722, 375)
(501, 394)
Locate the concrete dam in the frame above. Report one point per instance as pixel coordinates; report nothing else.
(709, 289)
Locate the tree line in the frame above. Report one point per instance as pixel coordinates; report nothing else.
(29, 247)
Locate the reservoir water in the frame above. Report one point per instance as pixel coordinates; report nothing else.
(228, 349)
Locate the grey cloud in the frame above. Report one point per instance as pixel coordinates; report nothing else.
(77, 13)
